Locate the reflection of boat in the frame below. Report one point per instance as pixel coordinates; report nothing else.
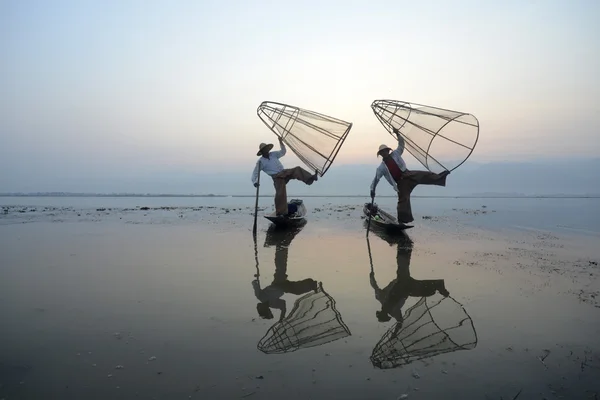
(391, 237)
(296, 215)
(382, 219)
(281, 236)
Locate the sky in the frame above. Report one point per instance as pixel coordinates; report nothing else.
(116, 90)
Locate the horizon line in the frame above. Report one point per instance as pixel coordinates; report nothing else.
(156, 195)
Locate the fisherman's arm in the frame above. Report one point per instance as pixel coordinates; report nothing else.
(400, 148)
(374, 284)
(378, 175)
(282, 149)
(279, 304)
(256, 287)
(283, 312)
(255, 174)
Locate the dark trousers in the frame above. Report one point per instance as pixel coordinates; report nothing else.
(410, 180)
(280, 181)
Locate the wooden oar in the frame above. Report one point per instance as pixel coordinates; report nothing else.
(256, 202)
(370, 214)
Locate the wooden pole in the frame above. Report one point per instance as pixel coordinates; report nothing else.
(256, 202)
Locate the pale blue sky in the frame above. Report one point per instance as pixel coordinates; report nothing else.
(94, 87)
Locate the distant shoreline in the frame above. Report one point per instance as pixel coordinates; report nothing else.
(466, 196)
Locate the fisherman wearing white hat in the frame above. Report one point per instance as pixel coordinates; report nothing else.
(270, 164)
(393, 168)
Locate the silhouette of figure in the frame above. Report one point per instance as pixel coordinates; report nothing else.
(313, 320)
(394, 295)
(270, 296)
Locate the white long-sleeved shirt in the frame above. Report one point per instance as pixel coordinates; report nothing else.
(383, 170)
(271, 166)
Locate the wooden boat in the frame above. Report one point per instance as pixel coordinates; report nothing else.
(296, 217)
(383, 220)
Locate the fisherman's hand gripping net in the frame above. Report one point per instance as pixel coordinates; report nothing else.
(315, 138)
(439, 139)
(433, 326)
(314, 321)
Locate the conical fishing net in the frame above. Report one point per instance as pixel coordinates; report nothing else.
(439, 139)
(313, 321)
(315, 138)
(433, 326)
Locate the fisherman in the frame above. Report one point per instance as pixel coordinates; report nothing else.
(393, 168)
(270, 296)
(394, 295)
(270, 164)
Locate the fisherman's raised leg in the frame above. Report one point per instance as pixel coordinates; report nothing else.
(303, 175)
(298, 173)
(427, 287)
(427, 178)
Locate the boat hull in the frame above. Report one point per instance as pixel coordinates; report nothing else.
(297, 219)
(384, 220)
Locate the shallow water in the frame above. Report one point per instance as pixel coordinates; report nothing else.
(94, 290)
(577, 215)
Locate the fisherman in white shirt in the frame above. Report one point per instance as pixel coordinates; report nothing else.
(393, 168)
(270, 164)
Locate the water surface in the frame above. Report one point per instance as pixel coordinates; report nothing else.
(170, 295)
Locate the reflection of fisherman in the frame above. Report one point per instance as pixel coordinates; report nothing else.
(270, 164)
(395, 294)
(393, 168)
(270, 296)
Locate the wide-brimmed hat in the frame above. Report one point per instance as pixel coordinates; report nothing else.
(262, 146)
(383, 147)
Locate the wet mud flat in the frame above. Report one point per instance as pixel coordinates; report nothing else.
(160, 302)
(12, 214)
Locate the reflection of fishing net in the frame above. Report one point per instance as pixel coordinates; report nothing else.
(433, 326)
(439, 139)
(315, 138)
(314, 321)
